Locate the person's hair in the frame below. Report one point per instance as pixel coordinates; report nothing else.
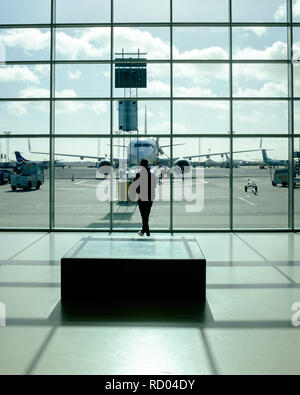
(144, 163)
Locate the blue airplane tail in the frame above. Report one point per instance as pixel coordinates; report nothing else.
(265, 156)
(19, 157)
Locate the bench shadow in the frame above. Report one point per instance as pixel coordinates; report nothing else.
(131, 312)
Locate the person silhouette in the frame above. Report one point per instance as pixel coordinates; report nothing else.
(146, 191)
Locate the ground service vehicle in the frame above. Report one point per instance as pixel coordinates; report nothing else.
(4, 176)
(27, 176)
(281, 177)
(251, 186)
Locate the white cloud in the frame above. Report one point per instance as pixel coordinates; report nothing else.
(27, 39)
(259, 72)
(296, 8)
(202, 73)
(21, 109)
(211, 104)
(99, 107)
(68, 107)
(74, 75)
(42, 69)
(193, 92)
(270, 89)
(258, 30)
(18, 109)
(217, 53)
(65, 93)
(133, 39)
(83, 46)
(280, 12)
(277, 51)
(32, 92)
(17, 73)
(158, 88)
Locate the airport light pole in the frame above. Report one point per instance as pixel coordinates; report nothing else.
(7, 133)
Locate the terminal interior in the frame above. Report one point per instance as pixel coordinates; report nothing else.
(209, 93)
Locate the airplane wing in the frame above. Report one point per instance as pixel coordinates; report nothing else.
(216, 154)
(68, 155)
(167, 160)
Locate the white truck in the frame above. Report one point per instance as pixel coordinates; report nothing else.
(27, 176)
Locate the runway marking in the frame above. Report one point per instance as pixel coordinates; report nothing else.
(246, 201)
(79, 182)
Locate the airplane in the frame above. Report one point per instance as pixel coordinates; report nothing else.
(45, 164)
(235, 162)
(273, 162)
(148, 148)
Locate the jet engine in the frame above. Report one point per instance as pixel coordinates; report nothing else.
(182, 166)
(103, 168)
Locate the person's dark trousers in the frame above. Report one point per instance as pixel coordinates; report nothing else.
(145, 208)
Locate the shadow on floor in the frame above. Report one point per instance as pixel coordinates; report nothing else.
(133, 312)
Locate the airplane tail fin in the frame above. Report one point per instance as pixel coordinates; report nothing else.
(19, 157)
(265, 156)
(159, 148)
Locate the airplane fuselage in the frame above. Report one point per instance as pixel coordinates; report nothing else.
(142, 148)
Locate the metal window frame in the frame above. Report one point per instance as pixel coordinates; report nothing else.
(290, 135)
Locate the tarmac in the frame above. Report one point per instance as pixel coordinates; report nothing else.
(77, 203)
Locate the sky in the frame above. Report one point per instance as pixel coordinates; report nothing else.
(190, 80)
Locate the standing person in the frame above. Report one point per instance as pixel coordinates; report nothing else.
(146, 190)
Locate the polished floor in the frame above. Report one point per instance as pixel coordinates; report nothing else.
(246, 327)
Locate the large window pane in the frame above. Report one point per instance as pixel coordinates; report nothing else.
(125, 214)
(27, 208)
(200, 43)
(200, 116)
(296, 43)
(260, 116)
(76, 202)
(29, 11)
(297, 116)
(82, 80)
(297, 79)
(201, 198)
(296, 11)
(78, 11)
(25, 117)
(267, 170)
(155, 42)
(141, 11)
(259, 11)
(153, 117)
(201, 80)
(86, 117)
(297, 184)
(260, 80)
(259, 43)
(26, 44)
(83, 43)
(25, 81)
(200, 11)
